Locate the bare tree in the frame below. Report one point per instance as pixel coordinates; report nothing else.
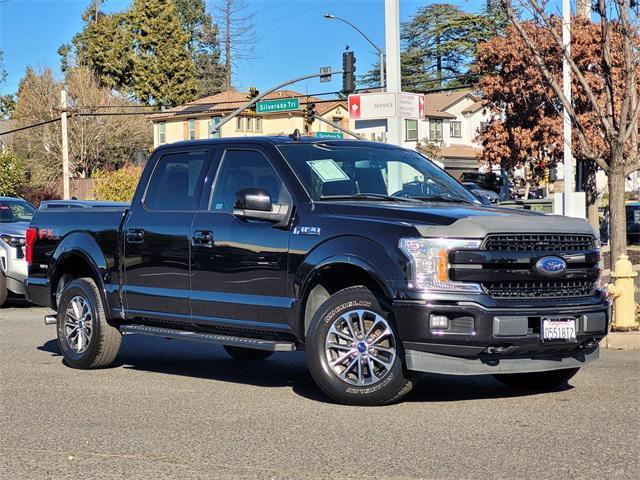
(238, 36)
(95, 142)
(613, 99)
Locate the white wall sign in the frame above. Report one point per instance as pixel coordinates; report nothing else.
(369, 106)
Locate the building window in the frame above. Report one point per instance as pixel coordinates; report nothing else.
(435, 129)
(337, 121)
(411, 130)
(455, 129)
(239, 124)
(258, 124)
(483, 126)
(192, 129)
(250, 124)
(162, 133)
(212, 122)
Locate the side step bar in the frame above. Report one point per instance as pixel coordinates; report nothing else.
(259, 344)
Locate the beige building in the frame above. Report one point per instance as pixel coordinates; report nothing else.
(193, 120)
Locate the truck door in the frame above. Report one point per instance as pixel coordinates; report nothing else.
(239, 266)
(157, 240)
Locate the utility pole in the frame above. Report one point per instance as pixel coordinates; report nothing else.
(65, 144)
(566, 90)
(394, 82)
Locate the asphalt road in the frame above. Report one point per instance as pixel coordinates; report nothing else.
(180, 410)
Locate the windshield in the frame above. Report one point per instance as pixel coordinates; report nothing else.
(15, 211)
(330, 171)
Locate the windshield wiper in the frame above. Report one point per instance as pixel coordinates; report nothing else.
(372, 196)
(445, 198)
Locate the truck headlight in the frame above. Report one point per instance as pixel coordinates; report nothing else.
(13, 241)
(429, 263)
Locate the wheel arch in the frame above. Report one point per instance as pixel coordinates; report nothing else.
(77, 256)
(329, 270)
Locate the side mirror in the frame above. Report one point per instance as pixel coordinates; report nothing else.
(255, 204)
(257, 199)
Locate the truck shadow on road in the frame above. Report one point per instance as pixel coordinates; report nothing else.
(288, 370)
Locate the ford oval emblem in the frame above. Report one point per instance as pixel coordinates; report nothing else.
(551, 266)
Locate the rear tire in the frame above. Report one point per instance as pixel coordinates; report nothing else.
(247, 354)
(537, 380)
(85, 338)
(3, 289)
(353, 350)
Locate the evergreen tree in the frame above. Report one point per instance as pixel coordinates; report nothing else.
(104, 45)
(163, 71)
(204, 45)
(440, 42)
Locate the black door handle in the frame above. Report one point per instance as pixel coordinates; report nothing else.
(135, 235)
(202, 238)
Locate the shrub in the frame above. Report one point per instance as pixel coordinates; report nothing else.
(11, 174)
(118, 185)
(35, 194)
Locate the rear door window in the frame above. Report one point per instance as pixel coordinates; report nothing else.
(177, 181)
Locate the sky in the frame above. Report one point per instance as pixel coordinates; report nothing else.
(293, 37)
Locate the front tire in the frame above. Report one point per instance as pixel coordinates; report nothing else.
(537, 380)
(354, 352)
(85, 338)
(247, 354)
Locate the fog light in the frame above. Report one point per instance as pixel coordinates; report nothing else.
(438, 322)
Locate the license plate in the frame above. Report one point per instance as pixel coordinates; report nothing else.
(558, 330)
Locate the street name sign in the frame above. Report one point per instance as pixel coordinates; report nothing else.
(329, 135)
(280, 105)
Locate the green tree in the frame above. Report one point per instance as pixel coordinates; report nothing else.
(204, 46)
(11, 173)
(440, 42)
(105, 45)
(163, 71)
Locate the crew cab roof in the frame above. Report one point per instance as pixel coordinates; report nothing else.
(278, 140)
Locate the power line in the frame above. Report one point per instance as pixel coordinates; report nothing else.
(30, 126)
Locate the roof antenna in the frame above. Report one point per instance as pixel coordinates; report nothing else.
(295, 135)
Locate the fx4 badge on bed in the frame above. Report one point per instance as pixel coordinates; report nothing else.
(306, 231)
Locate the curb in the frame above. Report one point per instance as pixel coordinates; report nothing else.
(621, 341)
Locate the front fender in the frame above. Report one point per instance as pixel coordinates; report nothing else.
(353, 250)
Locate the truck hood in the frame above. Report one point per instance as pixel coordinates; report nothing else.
(462, 220)
(15, 229)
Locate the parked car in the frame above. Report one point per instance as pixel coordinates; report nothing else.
(632, 211)
(490, 196)
(80, 204)
(374, 260)
(486, 181)
(15, 215)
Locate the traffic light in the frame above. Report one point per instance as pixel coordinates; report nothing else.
(310, 113)
(348, 72)
(253, 93)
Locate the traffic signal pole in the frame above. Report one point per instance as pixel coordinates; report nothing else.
(259, 97)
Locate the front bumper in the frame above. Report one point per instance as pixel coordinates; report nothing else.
(497, 339)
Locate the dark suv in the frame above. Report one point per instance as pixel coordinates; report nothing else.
(368, 256)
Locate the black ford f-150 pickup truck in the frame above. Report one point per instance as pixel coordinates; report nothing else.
(368, 256)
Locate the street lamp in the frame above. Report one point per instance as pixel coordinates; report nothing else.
(330, 16)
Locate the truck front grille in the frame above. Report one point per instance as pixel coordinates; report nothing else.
(538, 243)
(540, 289)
